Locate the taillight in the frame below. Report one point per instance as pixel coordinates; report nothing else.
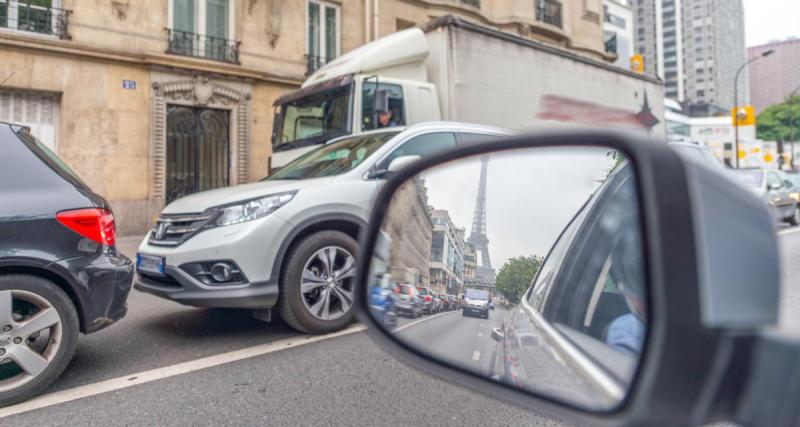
(93, 224)
(428, 298)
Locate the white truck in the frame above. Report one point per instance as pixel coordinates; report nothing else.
(459, 71)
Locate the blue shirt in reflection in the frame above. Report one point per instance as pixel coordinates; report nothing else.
(626, 333)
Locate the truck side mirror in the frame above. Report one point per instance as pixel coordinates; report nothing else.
(380, 102)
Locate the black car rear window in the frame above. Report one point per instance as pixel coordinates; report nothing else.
(48, 157)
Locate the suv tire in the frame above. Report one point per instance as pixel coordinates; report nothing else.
(294, 305)
(48, 292)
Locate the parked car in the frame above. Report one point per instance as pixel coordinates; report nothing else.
(446, 306)
(408, 301)
(771, 188)
(429, 305)
(792, 183)
(455, 303)
(476, 303)
(60, 272)
(289, 241)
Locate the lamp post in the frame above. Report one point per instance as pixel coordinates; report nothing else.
(736, 101)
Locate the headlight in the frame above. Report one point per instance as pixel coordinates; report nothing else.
(251, 209)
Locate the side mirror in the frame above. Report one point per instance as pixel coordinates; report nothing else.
(400, 163)
(609, 279)
(381, 101)
(775, 186)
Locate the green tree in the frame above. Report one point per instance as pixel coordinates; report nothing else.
(773, 123)
(515, 276)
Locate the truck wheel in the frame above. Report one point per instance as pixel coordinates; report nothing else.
(318, 283)
(38, 335)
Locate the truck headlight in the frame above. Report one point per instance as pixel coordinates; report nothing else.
(251, 209)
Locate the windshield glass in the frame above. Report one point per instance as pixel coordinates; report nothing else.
(322, 115)
(334, 159)
(476, 294)
(750, 178)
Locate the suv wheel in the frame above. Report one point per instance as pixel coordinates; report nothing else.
(317, 286)
(38, 335)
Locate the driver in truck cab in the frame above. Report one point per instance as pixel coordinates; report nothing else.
(387, 119)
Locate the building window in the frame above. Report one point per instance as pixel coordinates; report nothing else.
(323, 34)
(203, 28)
(701, 93)
(549, 12)
(35, 16)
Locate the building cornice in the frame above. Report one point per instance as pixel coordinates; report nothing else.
(67, 48)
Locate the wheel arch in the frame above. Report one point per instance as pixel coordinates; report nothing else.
(32, 269)
(349, 224)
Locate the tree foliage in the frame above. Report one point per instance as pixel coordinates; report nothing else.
(773, 123)
(515, 276)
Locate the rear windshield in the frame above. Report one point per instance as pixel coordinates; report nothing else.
(422, 291)
(750, 178)
(48, 156)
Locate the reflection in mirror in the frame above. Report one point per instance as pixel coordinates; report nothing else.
(523, 266)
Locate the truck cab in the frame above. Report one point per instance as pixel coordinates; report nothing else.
(346, 96)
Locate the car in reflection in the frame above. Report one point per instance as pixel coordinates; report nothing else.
(773, 190)
(455, 303)
(792, 183)
(447, 305)
(476, 303)
(408, 301)
(429, 305)
(578, 329)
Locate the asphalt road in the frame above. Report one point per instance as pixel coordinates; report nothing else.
(345, 380)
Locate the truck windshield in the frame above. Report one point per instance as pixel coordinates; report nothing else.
(318, 116)
(333, 159)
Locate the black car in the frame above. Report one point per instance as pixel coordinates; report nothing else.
(60, 272)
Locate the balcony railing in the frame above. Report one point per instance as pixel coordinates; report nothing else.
(611, 44)
(473, 3)
(201, 46)
(314, 63)
(31, 17)
(549, 12)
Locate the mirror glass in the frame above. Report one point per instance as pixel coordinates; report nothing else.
(525, 267)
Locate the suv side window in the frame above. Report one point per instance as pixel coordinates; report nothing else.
(421, 145)
(369, 121)
(773, 179)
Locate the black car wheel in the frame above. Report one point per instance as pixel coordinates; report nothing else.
(38, 335)
(317, 286)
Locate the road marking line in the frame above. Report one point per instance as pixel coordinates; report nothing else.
(789, 231)
(168, 371)
(480, 334)
(476, 356)
(400, 328)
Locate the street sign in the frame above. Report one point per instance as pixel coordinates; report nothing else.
(746, 116)
(129, 84)
(637, 63)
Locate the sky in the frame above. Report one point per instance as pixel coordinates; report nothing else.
(531, 195)
(767, 20)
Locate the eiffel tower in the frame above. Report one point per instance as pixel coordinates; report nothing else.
(484, 273)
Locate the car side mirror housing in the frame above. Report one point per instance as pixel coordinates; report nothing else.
(775, 186)
(607, 273)
(399, 163)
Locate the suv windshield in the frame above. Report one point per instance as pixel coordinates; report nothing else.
(334, 159)
(324, 115)
(476, 294)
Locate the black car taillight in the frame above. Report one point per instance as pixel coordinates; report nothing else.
(93, 223)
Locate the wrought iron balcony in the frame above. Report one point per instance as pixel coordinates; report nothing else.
(201, 46)
(314, 63)
(31, 17)
(611, 44)
(549, 12)
(474, 3)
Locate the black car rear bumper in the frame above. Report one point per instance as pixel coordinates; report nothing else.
(101, 283)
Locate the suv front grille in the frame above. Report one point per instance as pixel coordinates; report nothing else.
(172, 230)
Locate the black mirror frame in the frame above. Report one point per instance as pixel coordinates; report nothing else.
(679, 372)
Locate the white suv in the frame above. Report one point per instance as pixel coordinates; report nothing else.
(288, 240)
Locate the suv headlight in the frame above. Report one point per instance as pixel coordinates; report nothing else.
(250, 209)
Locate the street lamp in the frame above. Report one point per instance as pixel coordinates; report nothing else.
(736, 101)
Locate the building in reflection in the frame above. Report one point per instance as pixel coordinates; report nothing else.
(447, 254)
(410, 227)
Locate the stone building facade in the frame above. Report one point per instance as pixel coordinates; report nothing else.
(408, 223)
(149, 101)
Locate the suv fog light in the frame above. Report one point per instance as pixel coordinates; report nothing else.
(221, 272)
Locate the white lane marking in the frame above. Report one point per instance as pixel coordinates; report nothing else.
(790, 230)
(400, 328)
(481, 325)
(476, 356)
(168, 371)
(480, 334)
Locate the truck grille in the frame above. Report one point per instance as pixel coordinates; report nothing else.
(172, 230)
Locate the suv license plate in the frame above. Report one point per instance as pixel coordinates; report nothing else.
(150, 264)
